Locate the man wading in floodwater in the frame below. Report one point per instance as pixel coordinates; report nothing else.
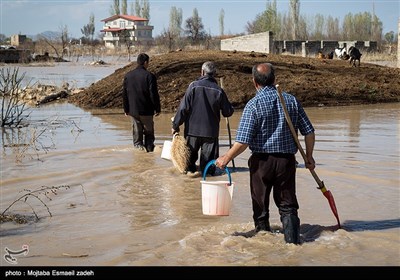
(272, 164)
(141, 101)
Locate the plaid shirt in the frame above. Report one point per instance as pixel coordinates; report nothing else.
(263, 126)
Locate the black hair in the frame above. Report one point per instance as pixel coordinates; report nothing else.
(142, 58)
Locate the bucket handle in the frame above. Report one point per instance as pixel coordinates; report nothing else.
(211, 163)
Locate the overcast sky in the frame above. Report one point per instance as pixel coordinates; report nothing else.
(31, 17)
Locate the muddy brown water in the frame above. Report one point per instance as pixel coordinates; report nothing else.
(128, 208)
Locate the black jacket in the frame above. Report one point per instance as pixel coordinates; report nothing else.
(140, 93)
(201, 107)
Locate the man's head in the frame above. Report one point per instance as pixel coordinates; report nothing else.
(208, 68)
(263, 75)
(142, 58)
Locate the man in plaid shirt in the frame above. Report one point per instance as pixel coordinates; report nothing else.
(272, 163)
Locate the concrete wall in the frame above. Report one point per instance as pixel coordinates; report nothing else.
(259, 42)
(264, 43)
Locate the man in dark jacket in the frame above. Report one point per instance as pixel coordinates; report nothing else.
(200, 111)
(141, 101)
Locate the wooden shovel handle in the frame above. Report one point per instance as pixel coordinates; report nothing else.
(296, 139)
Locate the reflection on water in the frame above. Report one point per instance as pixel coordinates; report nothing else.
(138, 210)
(77, 74)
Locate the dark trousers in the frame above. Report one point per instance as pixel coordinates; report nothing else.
(209, 150)
(276, 172)
(143, 132)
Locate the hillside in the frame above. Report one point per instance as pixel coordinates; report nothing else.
(315, 82)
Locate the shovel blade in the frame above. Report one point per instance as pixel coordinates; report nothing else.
(332, 204)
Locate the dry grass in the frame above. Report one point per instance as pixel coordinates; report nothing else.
(375, 56)
(180, 153)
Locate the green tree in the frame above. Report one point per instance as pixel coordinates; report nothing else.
(268, 20)
(88, 29)
(389, 37)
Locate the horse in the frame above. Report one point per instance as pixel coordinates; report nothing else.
(341, 53)
(355, 55)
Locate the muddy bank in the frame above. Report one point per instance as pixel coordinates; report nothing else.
(315, 82)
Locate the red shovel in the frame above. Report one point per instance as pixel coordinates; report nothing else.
(320, 183)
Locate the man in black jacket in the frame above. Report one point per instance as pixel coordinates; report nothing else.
(200, 110)
(141, 101)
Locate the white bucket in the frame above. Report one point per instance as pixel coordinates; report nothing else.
(166, 151)
(216, 196)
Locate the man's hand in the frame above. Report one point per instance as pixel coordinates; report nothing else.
(221, 162)
(310, 164)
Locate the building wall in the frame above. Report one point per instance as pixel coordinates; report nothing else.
(259, 42)
(264, 43)
(398, 45)
(17, 40)
(141, 32)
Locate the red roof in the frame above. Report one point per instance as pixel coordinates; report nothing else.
(127, 17)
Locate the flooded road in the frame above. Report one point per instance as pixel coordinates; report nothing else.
(129, 208)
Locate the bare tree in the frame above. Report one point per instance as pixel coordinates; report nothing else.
(142, 9)
(88, 32)
(175, 22)
(166, 38)
(12, 104)
(138, 9)
(319, 27)
(194, 27)
(124, 7)
(332, 28)
(221, 22)
(64, 37)
(146, 9)
(57, 42)
(125, 37)
(114, 9)
(294, 12)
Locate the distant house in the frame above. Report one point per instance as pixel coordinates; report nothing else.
(120, 28)
(18, 39)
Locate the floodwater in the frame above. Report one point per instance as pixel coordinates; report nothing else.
(130, 208)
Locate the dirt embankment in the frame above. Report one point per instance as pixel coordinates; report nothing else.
(315, 82)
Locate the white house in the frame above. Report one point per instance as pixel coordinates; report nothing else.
(119, 28)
